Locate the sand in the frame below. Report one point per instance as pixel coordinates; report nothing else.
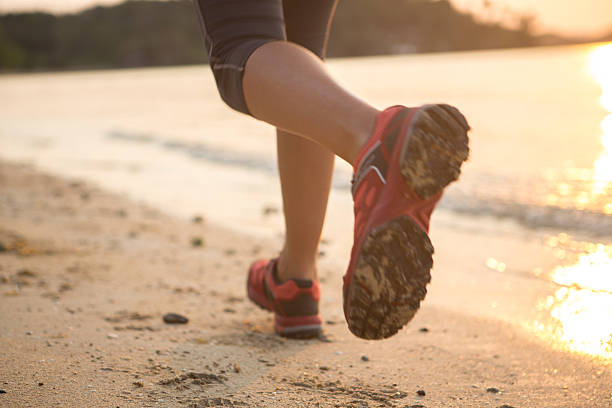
(86, 277)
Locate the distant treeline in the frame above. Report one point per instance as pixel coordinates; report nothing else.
(148, 33)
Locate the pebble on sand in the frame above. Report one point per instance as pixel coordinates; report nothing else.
(174, 318)
(365, 358)
(269, 210)
(424, 329)
(2, 392)
(492, 390)
(197, 242)
(421, 393)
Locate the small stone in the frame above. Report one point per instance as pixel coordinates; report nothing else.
(424, 329)
(40, 384)
(26, 273)
(324, 368)
(174, 318)
(237, 368)
(112, 335)
(28, 333)
(269, 210)
(2, 392)
(197, 242)
(197, 219)
(492, 390)
(505, 406)
(421, 393)
(365, 358)
(64, 287)
(138, 384)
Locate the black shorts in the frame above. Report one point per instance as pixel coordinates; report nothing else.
(233, 29)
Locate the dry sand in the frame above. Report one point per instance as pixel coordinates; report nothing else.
(86, 276)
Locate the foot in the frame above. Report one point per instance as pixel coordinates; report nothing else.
(399, 177)
(295, 302)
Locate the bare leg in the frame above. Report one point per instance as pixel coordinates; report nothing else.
(305, 172)
(289, 87)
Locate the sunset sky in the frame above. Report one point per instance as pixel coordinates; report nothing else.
(585, 17)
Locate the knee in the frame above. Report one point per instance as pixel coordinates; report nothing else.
(227, 65)
(231, 34)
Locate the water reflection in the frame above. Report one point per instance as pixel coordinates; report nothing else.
(580, 311)
(590, 189)
(600, 64)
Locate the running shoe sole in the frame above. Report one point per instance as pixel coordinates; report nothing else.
(393, 268)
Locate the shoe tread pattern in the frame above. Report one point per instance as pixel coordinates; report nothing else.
(394, 265)
(436, 148)
(390, 279)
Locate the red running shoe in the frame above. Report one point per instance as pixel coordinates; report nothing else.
(399, 177)
(295, 302)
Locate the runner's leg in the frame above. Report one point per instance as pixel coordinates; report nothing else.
(289, 87)
(305, 167)
(259, 73)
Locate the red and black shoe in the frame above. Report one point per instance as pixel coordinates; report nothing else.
(295, 302)
(399, 176)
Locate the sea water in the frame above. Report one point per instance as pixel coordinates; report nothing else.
(540, 165)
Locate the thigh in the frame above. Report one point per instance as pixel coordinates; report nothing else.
(307, 23)
(228, 23)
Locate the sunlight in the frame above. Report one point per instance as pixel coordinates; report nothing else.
(582, 308)
(600, 64)
(592, 271)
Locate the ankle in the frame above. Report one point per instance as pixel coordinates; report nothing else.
(291, 268)
(361, 133)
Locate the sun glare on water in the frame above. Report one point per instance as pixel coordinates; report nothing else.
(600, 66)
(590, 189)
(580, 311)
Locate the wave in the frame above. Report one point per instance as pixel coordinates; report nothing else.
(504, 197)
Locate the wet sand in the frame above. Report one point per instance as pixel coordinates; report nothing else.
(86, 277)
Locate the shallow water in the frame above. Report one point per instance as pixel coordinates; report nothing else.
(540, 168)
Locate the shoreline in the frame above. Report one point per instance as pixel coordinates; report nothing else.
(87, 276)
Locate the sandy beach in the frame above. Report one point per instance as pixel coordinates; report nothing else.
(86, 277)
